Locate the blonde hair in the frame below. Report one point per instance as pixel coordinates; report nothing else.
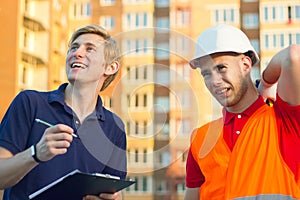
(111, 48)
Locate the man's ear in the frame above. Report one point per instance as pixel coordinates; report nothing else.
(247, 63)
(112, 68)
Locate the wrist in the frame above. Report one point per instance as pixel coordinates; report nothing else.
(34, 154)
(265, 82)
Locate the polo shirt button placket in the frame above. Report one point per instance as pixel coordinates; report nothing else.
(239, 117)
(77, 123)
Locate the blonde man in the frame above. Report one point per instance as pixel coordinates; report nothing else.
(84, 135)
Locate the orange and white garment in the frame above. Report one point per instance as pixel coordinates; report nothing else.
(254, 169)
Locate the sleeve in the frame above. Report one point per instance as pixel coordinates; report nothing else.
(16, 124)
(194, 176)
(288, 124)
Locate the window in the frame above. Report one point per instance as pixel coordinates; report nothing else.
(163, 22)
(184, 98)
(162, 77)
(108, 22)
(135, 73)
(25, 40)
(162, 51)
(138, 47)
(128, 128)
(181, 44)
(143, 184)
(26, 6)
(136, 70)
(136, 100)
(182, 18)
(128, 100)
(183, 127)
(107, 101)
(145, 156)
(81, 10)
(145, 73)
(162, 3)
(137, 20)
(297, 12)
(255, 44)
(297, 38)
(250, 20)
(278, 13)
(24, 76)
(276, 40)
(128, 73)
(145, 100)
(181, 72)
(161, 186)
(107, 2)
(281, 40)
(266, 14)
(225, 15)
(162, 129)
(164, 158)
(136, 153)
(162, 104)
(181, 188)
(267, 41)
(145, 127)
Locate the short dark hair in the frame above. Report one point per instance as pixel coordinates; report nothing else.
(251, 55)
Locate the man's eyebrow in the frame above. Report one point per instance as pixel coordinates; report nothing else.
(86, 44)
(90, 44)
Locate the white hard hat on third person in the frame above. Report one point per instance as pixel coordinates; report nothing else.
(222, 38)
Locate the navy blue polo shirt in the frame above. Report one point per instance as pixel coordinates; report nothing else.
(100, 147)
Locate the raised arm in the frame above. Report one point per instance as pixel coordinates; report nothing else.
(284, 68)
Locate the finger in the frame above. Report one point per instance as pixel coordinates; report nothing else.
(110, 196)
(53, 148)
(61, 128)
(90, 197)
(58, 136)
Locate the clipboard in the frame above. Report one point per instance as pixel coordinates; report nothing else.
(76, 184)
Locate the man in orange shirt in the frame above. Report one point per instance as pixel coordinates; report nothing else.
(253, 151)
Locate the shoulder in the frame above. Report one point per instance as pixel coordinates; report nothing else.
(32, 94)
(29, 98)
(200, 133)
(205, 137)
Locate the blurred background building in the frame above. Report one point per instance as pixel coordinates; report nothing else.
(160, 99)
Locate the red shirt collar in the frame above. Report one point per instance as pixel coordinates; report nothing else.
(228, 116)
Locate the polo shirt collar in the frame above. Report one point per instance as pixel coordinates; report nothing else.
(228, 116)
(59, 96)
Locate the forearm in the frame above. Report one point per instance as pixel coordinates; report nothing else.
(14, 168)
(284, 69)
(192, 194)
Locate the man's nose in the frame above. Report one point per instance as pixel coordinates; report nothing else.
(216, 79)
(79, 53)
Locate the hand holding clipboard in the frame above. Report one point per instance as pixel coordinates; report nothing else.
(77, 184)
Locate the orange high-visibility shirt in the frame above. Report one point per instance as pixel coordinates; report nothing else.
(255, 167)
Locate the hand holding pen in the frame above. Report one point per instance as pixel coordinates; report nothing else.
(55, 140)
(50, 125)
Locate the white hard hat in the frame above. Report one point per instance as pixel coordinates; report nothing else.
(222, 38)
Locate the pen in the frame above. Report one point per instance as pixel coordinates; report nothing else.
(48, 124)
